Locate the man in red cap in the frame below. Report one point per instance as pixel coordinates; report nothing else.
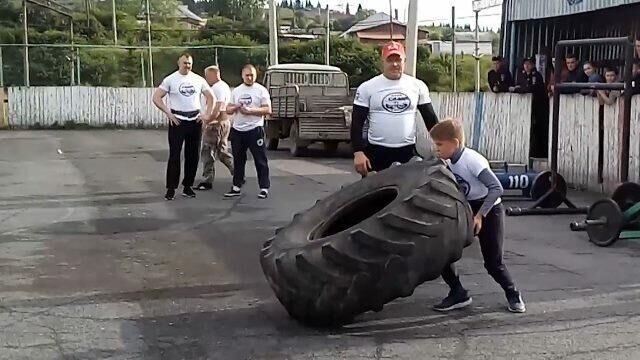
(389, 103)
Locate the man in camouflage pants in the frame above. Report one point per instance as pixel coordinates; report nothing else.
(216, 133)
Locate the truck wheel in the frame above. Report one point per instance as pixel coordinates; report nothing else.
(368, 244)
(296, 149)
(272, 143)
(331, 147)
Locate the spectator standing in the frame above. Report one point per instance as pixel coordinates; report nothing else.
(184, 89)
(499, 77)
(216, 131)
(529, 80)
(609, 97)
(250, 102)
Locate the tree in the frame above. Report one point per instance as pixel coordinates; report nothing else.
(348, 11)
(298, 5)
(318, 6)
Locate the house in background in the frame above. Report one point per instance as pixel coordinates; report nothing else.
(182, 15)
(465, 44)
(377, 30)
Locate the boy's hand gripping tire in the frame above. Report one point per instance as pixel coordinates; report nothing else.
(369, 243)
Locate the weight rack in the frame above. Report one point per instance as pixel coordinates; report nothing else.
(628, 44)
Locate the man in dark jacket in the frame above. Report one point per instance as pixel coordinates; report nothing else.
(499, 77)
(529, 80)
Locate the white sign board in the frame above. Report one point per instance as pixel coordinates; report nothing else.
(485, 4)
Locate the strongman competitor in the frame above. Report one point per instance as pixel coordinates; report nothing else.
(250, 102)
(216, 131)
(389, 103)
(184, 89)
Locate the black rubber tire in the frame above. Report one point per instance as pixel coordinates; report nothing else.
(404, 225)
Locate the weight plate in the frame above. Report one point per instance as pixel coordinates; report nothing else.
(542, 184)
(626, 195)
(607, 233)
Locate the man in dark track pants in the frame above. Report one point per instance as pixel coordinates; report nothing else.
(183, 88)
(250, 102)
(389, 103)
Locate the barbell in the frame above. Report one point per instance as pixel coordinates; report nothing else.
(608, 218)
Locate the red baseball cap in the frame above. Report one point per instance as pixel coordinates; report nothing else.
(393, 48)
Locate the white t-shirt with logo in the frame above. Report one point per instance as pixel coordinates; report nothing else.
(253, 96)
(184, 92)
(392, 108)
(466, 170)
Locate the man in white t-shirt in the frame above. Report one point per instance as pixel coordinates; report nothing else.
(184, 89)
(216, 131)
(389, 103)
(250, 102)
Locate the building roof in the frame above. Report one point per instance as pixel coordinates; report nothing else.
(371, 22)
(183, 11)
(536, 9)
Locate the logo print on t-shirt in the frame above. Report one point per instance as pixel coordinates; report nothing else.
(396, 102)
(463, 185)
(245, 100)
(187, 89)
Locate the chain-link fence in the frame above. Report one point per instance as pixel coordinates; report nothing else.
(118, 66)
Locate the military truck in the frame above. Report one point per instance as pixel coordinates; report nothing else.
(310, 103)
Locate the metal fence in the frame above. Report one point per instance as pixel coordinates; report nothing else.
(118, 66)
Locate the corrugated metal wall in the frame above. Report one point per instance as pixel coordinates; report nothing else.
(536, 9)
(528, 38)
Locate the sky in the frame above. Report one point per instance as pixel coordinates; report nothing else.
(438, 11)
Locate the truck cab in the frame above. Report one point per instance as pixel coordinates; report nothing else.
(309, 103)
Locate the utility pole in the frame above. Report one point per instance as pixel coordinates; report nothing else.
(114, 24)
(453, 49)
(149, 43)
(476, 55)
(26, 43)
(326, 56)
(273, 33)
(412, 38)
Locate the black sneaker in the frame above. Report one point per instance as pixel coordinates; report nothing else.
(516, 304)
(264, 193)
(204, 186)
(170, 195)
(235, 191)
(455, 300)
(188, 192)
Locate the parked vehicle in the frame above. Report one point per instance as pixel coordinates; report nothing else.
(311, 103)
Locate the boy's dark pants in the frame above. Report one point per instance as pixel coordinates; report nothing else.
(491, 238)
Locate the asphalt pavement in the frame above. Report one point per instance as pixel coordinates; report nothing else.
(95, 264)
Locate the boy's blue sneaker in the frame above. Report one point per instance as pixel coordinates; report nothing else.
(455, 300)
(516, 304)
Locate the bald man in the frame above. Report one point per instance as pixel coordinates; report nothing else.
(216, 132)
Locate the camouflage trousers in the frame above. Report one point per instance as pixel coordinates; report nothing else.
(215, 145)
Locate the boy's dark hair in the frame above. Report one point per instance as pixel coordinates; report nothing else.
(448, 130)
(611, 68)
(497, 58)
(571, 56)
(186, 54)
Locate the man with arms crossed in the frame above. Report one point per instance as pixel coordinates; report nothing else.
(389, 102)
(185, 122)
(216, 131)
(250, 102)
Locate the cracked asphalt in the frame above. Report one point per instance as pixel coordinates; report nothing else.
(94, 264)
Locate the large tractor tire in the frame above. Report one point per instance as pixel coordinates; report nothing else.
(369, 243)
